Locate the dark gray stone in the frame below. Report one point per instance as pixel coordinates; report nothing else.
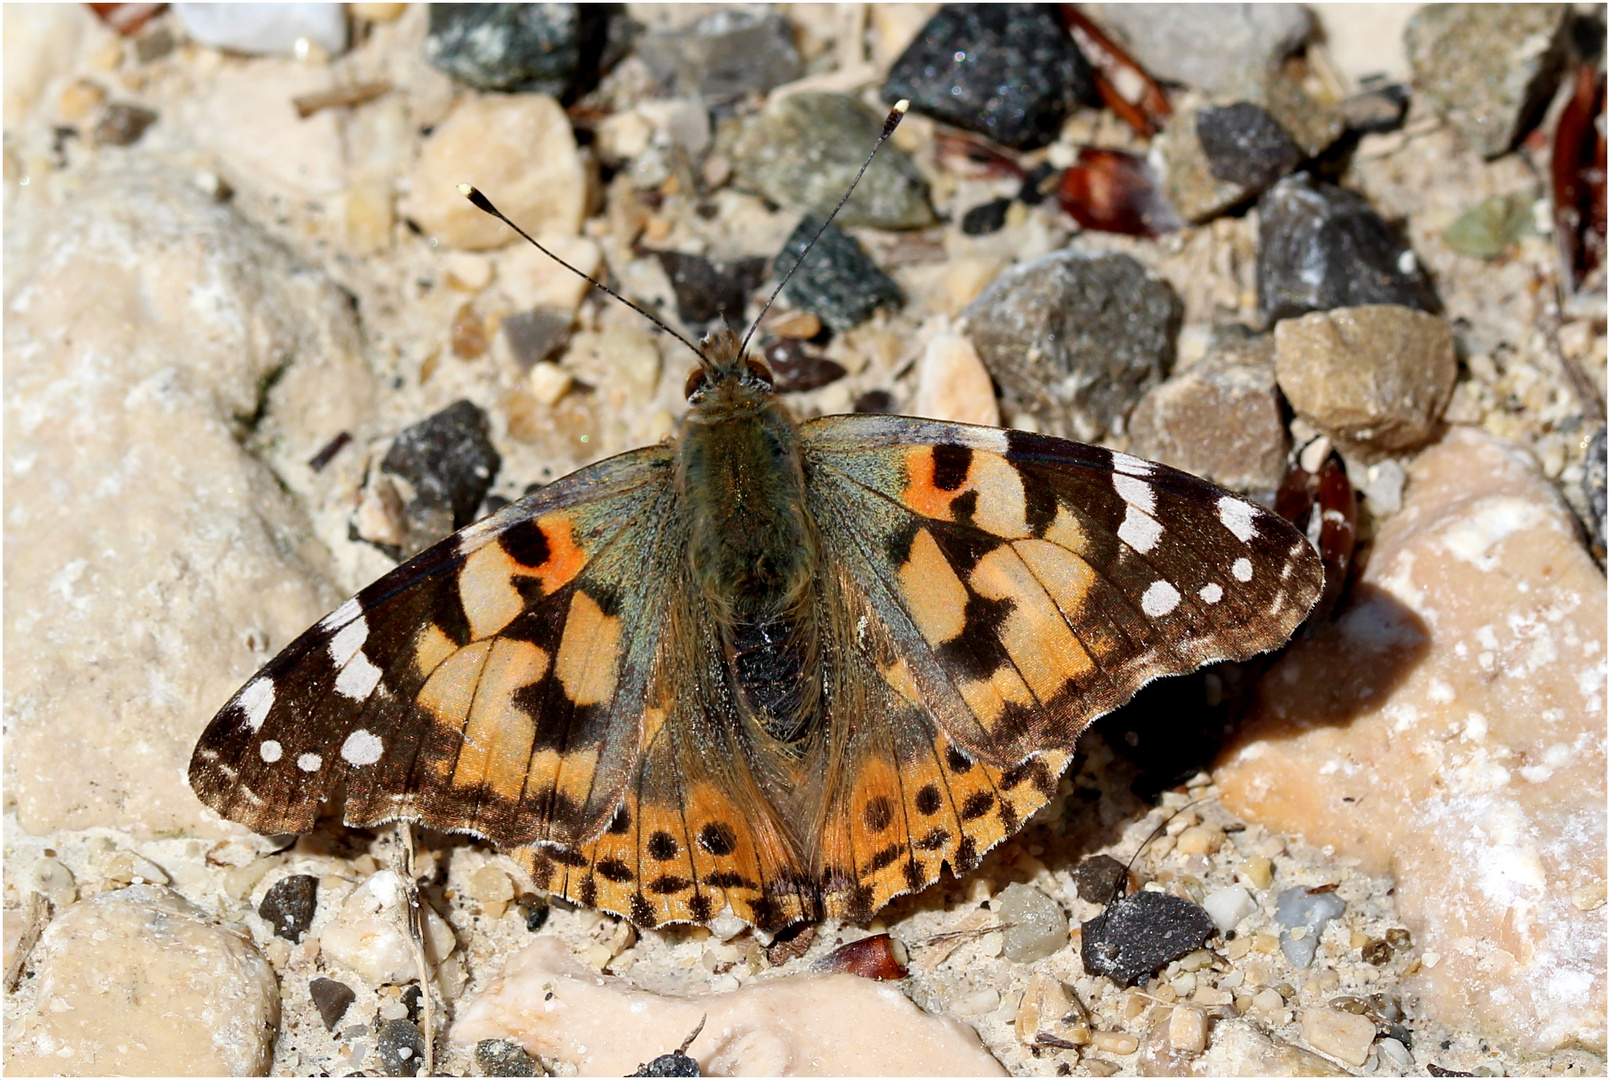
(1491, 69)
(1219, 419)
(123, 124)
(838, 280)
(1377, 110)
(500, 1057)
(1321, 246)
(1140, 934)
(986, 218)
(331, 999)
(401, 1048)
(794, 369)
(1097, 878)
(1075, 338)
(724, 56)
(1593, 490)
(803, 152)
(289, 905)
(1006, 71)
(537, 335)
(449, 462)
(709, 291)
(1244, 145)
(541, 48)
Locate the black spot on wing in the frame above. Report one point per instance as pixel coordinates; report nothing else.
(526, 543)
(928, 800)
(878, 814)
(662, 847)
(951, 464)
(718, 838)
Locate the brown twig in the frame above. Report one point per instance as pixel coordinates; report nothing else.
(338, 96)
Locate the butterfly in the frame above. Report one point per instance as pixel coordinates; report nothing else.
(777, 669)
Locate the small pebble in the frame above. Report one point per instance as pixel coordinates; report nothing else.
(1188, 1029)
(1139, 934)
(1035, 925)
(401, 1048)
(1114, 1042)
(535, 336)
(449, 463)
(802, 325)
(1321, 246)
(724, 56)
(793, 369)
(986, 218)
(1245, 146)
(1171, 40)
(838, 281)
(1259, 870)
(548, 382)
(1200, 840)
(265, 29)
(1342, 1035)
(468, 334)
(953, 385)
(123, 124)
(290, 904)
(1228, 906)
(1493, 226)
(502, 1057)
(55, 882)
(978, 1003)
(710, 292)
(1097, 878)
(1305, 915)
(1395, 1054)
(1006, 71)
(331, 999)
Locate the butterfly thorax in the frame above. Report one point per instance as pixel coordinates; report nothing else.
(752, 545)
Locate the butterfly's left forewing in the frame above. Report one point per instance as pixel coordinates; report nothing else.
(1012, 588)
(493, 685)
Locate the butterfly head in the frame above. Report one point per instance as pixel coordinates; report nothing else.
(726, 376)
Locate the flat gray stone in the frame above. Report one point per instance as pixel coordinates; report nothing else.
(1208, 46)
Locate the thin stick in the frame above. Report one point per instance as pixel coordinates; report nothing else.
(483, 204)
(36, 914)
(890, 122)
(416, 936)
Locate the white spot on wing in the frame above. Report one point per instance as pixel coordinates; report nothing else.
(361, 748)
(1139, 531)
(349, 639)
(358, 679)
(993, 439)
(270, 751)
(256, 700)
(1159, 599)
(1238, 517)
(342, 615)
(1134, 466)
(1211, 592)
(309, 762)
(1241, 570)
(1136, 492)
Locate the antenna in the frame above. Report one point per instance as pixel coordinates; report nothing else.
(482, 203)
(890, 122)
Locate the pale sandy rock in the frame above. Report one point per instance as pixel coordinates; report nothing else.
(1365, 39)
(1343, 1035)
(152, 562)
(141, 983)
(1458, 708)
(531, 279)
(41, 42)
(952, 383)
(1240, 1047)
(520, 151)
(826, 1025)
(247, 120)
(369, 935)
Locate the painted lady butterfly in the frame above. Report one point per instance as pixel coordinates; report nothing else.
(785, 669)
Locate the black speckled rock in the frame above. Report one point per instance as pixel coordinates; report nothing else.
(401, 1048)
(723, 56)
(986, 218)
(1075, 338)
(449, 463)
(289, 905)
(838, 280)
(525, 47)
(1244, 145)
(1593, 487)
(500, 1057)
(1139, 934)
(331, 998)
(1007, 71)
(670, 1065)
(708, 291)
(1321, 246)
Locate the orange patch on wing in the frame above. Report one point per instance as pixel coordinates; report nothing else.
(988, 698)
(934, 594)
(1066, 532)
(589, 652)
(450, 690)
(565, 559)
(1066, 577)
(920, 494)
(1036, 637)
(486, 590)
(498, 735)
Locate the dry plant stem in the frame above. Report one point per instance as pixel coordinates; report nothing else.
(308, 104)
(1587, 395)
(36, 913)
(416, 936)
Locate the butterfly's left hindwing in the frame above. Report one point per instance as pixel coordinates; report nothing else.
(493, 685)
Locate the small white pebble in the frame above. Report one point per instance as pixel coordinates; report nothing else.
(1187, 1029)
(548, 382)
(1395, 1054)
(1343, 1035)
(1114, 1042)
(978, 1003)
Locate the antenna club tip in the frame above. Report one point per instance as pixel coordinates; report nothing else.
(902, 106)
(466, 190)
